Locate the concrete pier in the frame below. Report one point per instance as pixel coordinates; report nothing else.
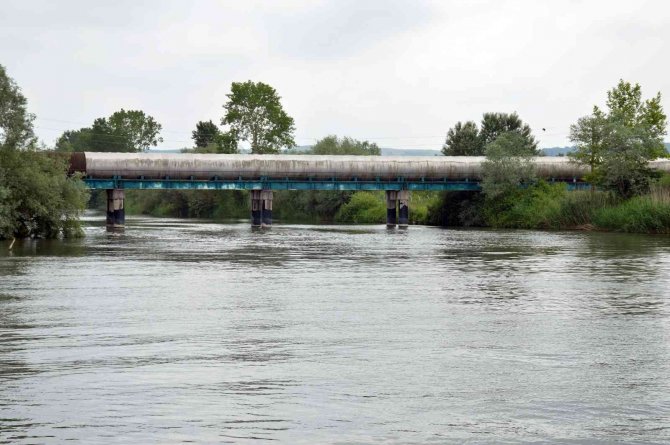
(261, 208)
(116, 213)
(256, 207)
(266, 208)
(403, 208)
(391, 208)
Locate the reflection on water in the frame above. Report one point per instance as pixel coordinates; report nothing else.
(194, 331)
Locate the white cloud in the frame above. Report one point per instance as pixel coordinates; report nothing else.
(401, 72)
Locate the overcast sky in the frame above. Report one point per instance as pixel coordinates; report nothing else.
(396, 72)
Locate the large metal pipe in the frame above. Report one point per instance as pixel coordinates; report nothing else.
(213, 166)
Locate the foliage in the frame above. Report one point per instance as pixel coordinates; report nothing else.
(463, 140)
(188, 203)
(618, 144)
(363, 208)
(39, 199)
(589, 135)
(467, 140)
(254, 114)
(16, 124)
(309, 205)
(74, 140)
(641, 214)
(205, 133)
(36, 197)
(332, 145)
(226, 143)
(508, 164)
(495, 125)
(459, 208)
(625, 168)
(421, 205)
(125, 131)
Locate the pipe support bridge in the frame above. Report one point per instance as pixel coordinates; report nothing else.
(261, 174)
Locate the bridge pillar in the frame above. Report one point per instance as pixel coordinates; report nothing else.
(403, 208)
(266, 208)
(116, 213)
(391, 204)
(256, 207)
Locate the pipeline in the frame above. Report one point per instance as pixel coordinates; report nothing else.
(224, 166)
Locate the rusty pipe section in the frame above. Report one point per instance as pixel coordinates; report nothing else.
(223, 166)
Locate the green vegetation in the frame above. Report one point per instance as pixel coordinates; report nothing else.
(187, 203)
(205, 134)
(332, 145)
(123, 131)
(37, 199)
(617, 144)
(468, 140)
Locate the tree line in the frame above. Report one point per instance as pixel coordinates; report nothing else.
(38, 199)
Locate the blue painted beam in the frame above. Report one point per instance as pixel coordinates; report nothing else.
(275, 184)
(289, 184)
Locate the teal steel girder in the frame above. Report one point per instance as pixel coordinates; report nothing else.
(276, 184)
(290, 184)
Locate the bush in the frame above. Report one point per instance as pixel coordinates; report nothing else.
(641, 214)
(37, 199)
(363, 208)
(546, 206)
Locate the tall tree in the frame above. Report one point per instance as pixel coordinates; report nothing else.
(463, 140)
(254, 114)
(509, 163)
(37, 198)
(16, 124)
(618, 143)
(74, 140)
(205, 133)
(589, 135)
(125, 131)
(495, 124)
(332, 145)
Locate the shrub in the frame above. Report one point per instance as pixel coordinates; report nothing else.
(639, 214)
(363, 208)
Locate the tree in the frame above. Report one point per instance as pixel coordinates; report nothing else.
(16, 124)
(625, 165)
(463, 140)
(495, 124)
(508, 164)
(37, 198)
(226, 143)
(74, 140)
(205, 133)
(125, 131)
(332, 145)
(254, 114)
(467, 140)
(619, 143)
(589, 135)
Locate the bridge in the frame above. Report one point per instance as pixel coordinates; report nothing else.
(262, 174)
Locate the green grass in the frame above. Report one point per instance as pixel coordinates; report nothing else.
(641, 214)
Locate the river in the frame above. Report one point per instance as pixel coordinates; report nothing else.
(178, 331)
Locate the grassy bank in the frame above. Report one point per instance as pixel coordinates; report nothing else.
(552, 206)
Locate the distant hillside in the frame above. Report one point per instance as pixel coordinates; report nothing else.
(557, 151)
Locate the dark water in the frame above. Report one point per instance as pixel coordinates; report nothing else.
(179, 331)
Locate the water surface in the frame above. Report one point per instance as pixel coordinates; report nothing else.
(179, 331)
